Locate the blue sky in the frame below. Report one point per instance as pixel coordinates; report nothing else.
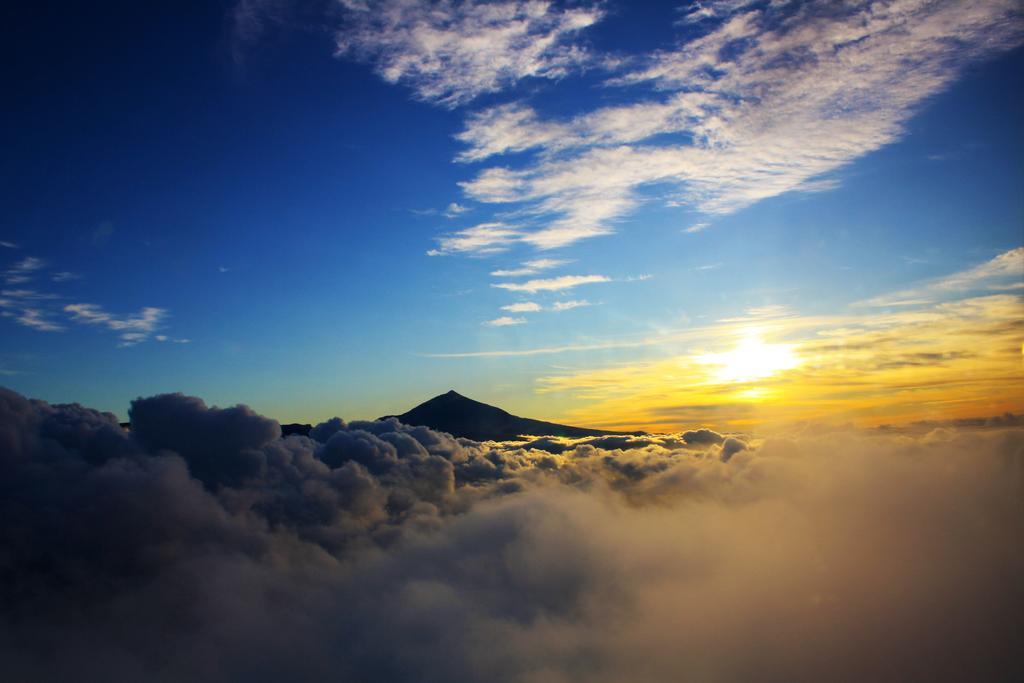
(303, 208)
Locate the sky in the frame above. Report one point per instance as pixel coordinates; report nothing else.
(639, 215)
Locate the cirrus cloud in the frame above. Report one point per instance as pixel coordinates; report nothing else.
(554, 284)
(451, 51)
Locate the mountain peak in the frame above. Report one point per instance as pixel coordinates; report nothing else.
(462, 416)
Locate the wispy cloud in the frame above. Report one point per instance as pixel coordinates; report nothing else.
(38, 320)
(569, 305)
(23, 271)
(8, 245)
(65, 276)
(771, 98)
(505, 321)
(968, 300)
(451, 51)
(551, 284)
(486, 238)
(530, 267)
(1004, 272)
(522, 307)
(552, 350)
(23, 307)
(27, 295)
(39, 309)
(132, 329)
(454, 210)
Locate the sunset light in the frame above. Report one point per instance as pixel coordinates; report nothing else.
(751, 359)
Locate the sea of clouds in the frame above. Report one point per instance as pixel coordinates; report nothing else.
(203, 546)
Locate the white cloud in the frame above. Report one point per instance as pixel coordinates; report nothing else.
(530, 267)
(132, 329)
(522, 307)
(65, 276)
(551, 284)
(21, 305)
(8, 245)
(1004, 272)
(569, 305)
(486, 238)
(505, 321)
(23, 271)
(770, 101)
(26, 294)
(36, 309)
(697, 227)
(454, 209)
(451, 51)
(37, 320)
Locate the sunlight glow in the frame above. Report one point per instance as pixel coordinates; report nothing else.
(751, 359)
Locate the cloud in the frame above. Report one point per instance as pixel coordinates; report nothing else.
(569, 305)
(8, 245)
(451, 51)
(697, 227)
(39, 308)
(530, 267)
(505, 321)
(132, 329)
(486, 238)
(201, 546)
(563, 348)
(771, 99)
(23, 271)
(23, 306)
(65, 276)
(1003, 272)
(37, 320)
(220, 446)
(522, 307)
(454, 210)
(555, 284)
(27, 295)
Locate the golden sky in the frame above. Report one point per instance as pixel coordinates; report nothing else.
(949, 349)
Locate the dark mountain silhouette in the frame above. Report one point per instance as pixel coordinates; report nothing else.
(296, 428)
(461, 416)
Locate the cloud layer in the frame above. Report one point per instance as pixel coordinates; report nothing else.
(769, 98)
(203, 546)
(451, 51)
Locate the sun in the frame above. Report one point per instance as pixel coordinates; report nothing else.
(751, 359)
